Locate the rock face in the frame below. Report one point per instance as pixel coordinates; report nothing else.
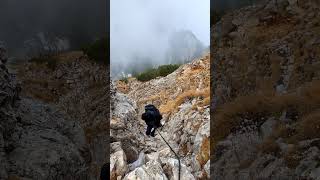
(183, 47)
(266, 92)
(183, 99)
(36, 140)
(79, 88)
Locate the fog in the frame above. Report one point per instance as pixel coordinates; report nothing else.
(142, 28)
(80, 21)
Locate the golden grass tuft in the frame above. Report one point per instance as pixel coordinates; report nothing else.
(304, 101)
(292, 157)
(172, 105)
(246, 163)
(308, 127)
(91, 132)
(269, 146)
(122, 87)
(204, 153)
(13, 177)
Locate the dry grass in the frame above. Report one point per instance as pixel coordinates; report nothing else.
(292, 157)
(69, 56)
(206, 101)
(38, 88)
(204, 153)
(304, 101)
(283, 131)
(172, 105)
(269, 146)
(122, 87)
(246, 163)
(308, 127)
(152, 99)
(183, 150)
(13, 177)
(91, 132)
(277, 28)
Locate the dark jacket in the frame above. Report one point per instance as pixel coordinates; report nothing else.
(152, 116)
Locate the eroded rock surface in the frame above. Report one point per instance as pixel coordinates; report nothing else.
(266, 92)
(36, 140)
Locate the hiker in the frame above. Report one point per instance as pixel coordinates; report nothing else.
(104, 172)
(152, 118)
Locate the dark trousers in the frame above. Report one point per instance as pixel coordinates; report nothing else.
(149, 132)
(105, 172)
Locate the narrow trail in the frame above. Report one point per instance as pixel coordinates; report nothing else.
(182, 99)
(154, 144)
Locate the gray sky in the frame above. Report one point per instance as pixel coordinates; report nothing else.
(78, 20)
(143, 26)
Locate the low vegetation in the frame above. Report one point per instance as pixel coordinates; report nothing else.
(269, 146)
(172, 105)
(305, 104)
(153, 73)
(124, 79)
(98, 51)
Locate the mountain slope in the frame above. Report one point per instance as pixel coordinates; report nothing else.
(37, 141)
(78, 87)
(183, 98)
(266, 92)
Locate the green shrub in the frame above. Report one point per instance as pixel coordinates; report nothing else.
(164, 70)
(152, 73)
(125, 80)
(98, 51)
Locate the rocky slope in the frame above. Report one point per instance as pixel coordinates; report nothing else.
(266, 92)
(36, 140)
(79, 88)
(183, 98)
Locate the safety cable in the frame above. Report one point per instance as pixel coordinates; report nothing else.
(173, 152)
(177, 156)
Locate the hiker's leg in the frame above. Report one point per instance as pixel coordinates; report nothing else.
(104, 172)
(148, 130)
(159, 124)
(153, 131)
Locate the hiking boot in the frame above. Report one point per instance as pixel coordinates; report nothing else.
(153, 135)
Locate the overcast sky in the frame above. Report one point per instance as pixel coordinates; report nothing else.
(143, 26)
(77, 20)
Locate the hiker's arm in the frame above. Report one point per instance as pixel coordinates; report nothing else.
(143, 116)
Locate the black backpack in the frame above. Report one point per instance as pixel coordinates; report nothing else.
(153, 112)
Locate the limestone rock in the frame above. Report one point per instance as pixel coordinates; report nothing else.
(172, 168)
(118, 161)
(151, 170)
(36, 140)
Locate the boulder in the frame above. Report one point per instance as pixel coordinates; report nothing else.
(171, 168)
(118, 161)
(151, 170)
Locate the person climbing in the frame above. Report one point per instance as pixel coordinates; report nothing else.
(104, 172)
(152, 118)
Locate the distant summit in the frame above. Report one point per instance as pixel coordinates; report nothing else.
(183, 47)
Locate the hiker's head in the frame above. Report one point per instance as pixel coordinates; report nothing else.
(149, 107)
(151, 113)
